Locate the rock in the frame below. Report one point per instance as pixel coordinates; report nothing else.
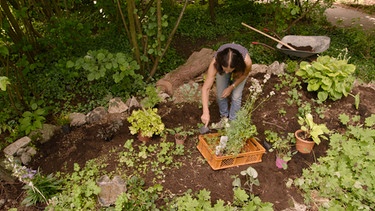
(2, 202)
(110, 189)
(96, 115)
(45, 134)
(164, 96)
(258, 68)
(15, 146)
(77, 119)
(25, 158)
(276, 68)
(116, 105)
(31, 151)
(132, 103)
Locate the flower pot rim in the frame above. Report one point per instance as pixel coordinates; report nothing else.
(301, 139)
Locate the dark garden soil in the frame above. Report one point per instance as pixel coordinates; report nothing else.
(82, 144)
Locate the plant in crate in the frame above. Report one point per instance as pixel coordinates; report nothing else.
(241, 129)
(146, 122)
(309, 134)
(331, 77)
(282, 146)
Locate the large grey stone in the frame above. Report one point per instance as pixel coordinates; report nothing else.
(46, 133)
(96, 115)
(15, 146)
(77, 119)
(133, 103)
(110, 189)
(116, 105)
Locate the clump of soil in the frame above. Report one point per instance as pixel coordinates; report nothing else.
(299, 48)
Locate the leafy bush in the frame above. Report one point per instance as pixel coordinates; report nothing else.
(97, 63)
(32, 120)
(201, 201)
(332, 78)
(344, 179)
(80, 189)
(147, 121)
(136, 198)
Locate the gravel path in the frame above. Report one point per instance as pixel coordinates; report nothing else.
(343, 16)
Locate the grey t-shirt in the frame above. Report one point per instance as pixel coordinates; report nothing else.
(237, 47)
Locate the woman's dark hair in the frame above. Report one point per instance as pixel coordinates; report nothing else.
(223, 58)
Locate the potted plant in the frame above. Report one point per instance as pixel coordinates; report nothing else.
(282, 146)
(180, 134)
(146, 123)
(309, 134)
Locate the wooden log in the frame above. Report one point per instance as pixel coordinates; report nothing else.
(196, 64)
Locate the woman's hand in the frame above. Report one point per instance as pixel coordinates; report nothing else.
(227, 91)
(205, 119)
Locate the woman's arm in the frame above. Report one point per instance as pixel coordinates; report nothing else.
(210, 78)
(238, 79)
(241, 78)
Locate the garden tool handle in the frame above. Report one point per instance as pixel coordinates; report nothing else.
(279, 41)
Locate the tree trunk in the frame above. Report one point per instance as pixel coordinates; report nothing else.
(197, 64)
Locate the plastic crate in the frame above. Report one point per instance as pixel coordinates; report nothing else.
(251, 153)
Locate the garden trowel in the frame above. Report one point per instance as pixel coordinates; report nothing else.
(204, 129)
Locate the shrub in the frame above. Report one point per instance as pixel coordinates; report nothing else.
(332, 78)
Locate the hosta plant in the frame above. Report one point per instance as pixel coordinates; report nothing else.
(330, 77)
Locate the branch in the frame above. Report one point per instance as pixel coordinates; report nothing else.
(152, 73)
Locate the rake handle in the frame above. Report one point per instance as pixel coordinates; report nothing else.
(279, 41)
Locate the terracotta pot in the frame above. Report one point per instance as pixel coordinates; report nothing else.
(143, 138)
(180, 139)
(303, 146)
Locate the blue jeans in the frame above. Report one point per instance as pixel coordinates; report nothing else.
(222, 82)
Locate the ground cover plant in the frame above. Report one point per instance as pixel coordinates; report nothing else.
(181, 172)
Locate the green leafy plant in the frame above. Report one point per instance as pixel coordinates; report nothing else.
(62, 119)
(344, 179)
(43, 189)
(152, 98)
(332, 78)
(311, 129)
(153, 158)
(4, 81)
(38, 188)
(356, 100)
(202, 201)
(282, 145)
(241, 128)
(80, 189)
(98, 63)
(251, 179)
(32, 120)
(147, 121)
(179, 131)
(137, 197)
(189, 92)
